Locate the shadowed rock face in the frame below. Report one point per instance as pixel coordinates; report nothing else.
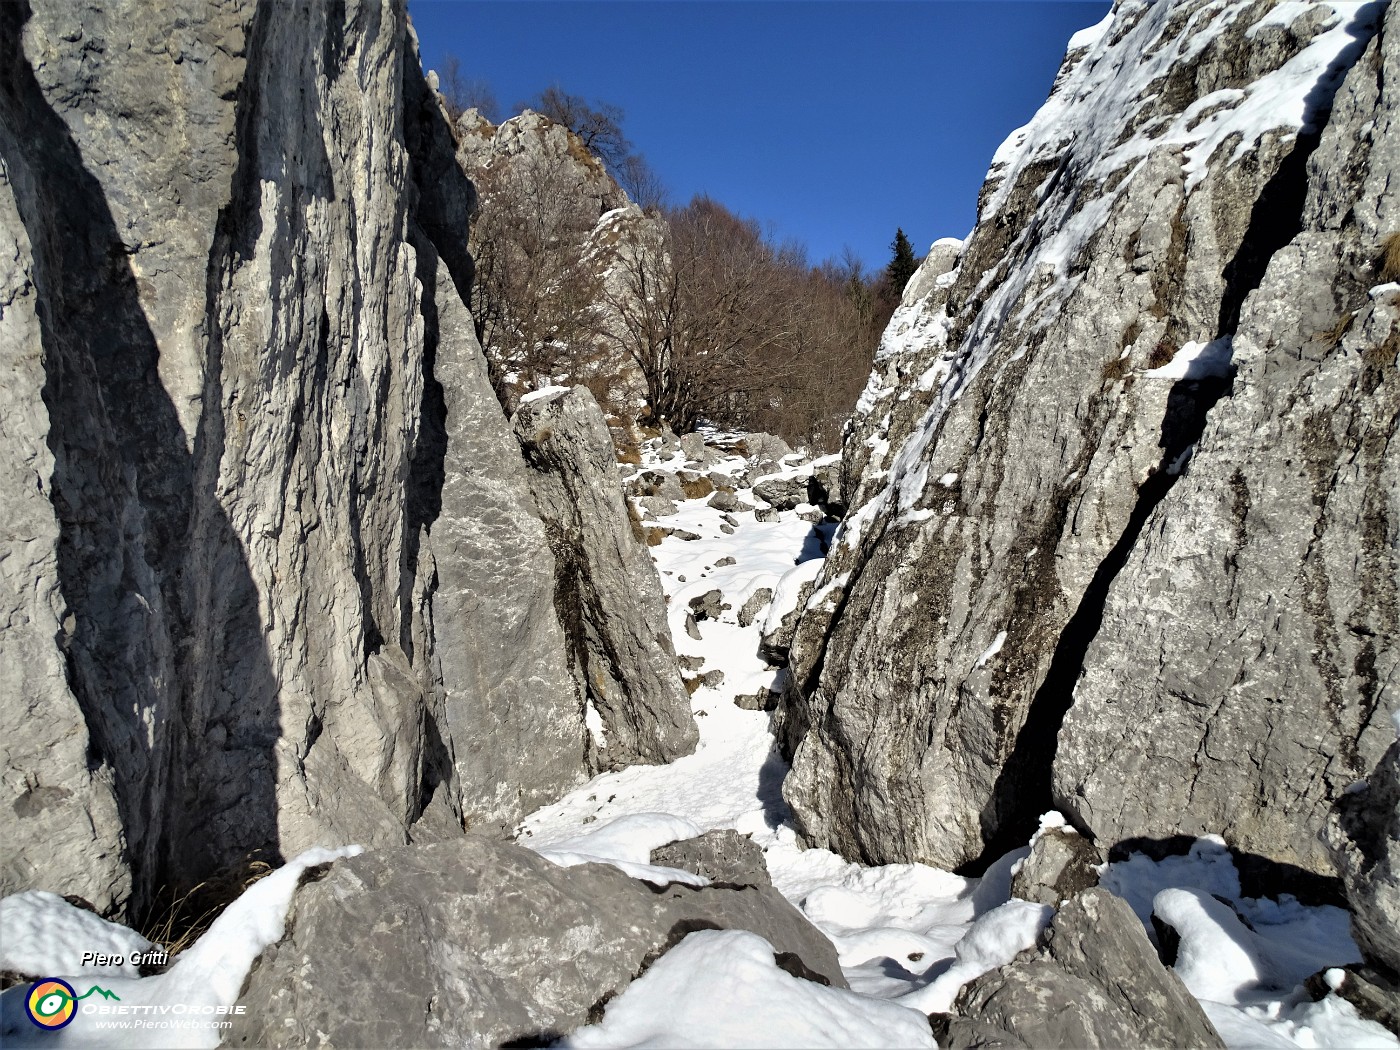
(1364, 834)
(273, 571)
(1159, 598)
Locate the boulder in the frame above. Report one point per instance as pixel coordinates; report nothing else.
(656, 506)
(477, 942)
(725, 500)
(656, 483)
(722, 856)
(1093, 982)
(765, 448)
(709, 606)
(1062, 863)
(758, 601)
(785, 491)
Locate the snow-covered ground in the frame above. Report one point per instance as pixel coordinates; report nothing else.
(909, 936)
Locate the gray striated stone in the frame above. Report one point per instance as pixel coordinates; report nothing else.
(721, 856)
(1364, 836)
(608, 594)
(273, 572)
(1062, 864)
(1019, 449)
(1248, 656)
(1094, 982)
(479, 943)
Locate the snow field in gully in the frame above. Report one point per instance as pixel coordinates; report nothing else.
(909, 936)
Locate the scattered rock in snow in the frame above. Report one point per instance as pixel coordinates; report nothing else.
(656, 506)
(725, 500)
(758, 601)
(709, 606)
(762, 700)
(656, 483)
(722, 856)
(785, 491)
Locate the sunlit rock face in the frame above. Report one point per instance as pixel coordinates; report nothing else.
(1123, 525)
(273, 573)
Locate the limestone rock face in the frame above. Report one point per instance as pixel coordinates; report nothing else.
(516, 948)
(1364, 834)
(1247, 662)
(608, 594)
(533, 138)
(552, 227)
(1095, 981)
(1123, 432)
(273, 572)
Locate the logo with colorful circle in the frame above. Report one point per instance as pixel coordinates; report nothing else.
(52, 1003)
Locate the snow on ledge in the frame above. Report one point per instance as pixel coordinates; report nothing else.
(544, 392)
(1198, 361)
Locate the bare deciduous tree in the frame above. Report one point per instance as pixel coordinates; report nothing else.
(598, 127)
(462, 93)
(537, 291)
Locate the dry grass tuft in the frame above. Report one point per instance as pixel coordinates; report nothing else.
(639, 532)
(1390, 258)
(1115, 369)
(186, 916)
(1339, 330)
(698, 488)
(1161, 355)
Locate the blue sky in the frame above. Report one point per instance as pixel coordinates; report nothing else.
(833, 121)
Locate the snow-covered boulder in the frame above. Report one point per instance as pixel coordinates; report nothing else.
(1093, 981)
(477, 942)
(1062, 863)
(786, 490)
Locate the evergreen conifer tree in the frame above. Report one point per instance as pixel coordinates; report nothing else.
(902, 265)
